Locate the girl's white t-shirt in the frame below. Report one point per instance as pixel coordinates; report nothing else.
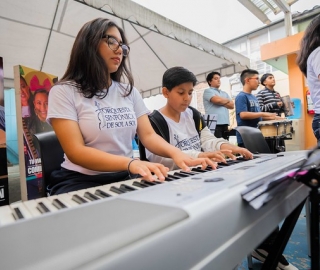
(108, 124)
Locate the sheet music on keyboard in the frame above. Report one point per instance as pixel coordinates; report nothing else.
(187, 223)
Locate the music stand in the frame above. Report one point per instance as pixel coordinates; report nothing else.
(211, 121)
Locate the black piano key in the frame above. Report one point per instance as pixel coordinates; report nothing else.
(208, 168)
(173, 177)
(78, 199)
(17, 213)
(232, 162)
(149, 183)
(158, 182)
(58, 204)
(102, 194)
(90, 196)
(168, 179)
(42, 208)
(117, 190)
(198, 170)
(127, 187)
(140, 185)
(189, 173)
(181, 174)
(221, 164)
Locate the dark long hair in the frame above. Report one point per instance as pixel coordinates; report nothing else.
(86, 69)
(309, 42)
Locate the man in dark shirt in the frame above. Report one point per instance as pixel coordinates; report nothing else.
(248, 112)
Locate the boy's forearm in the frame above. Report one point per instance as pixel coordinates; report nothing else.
(161, 147)
(250, 115)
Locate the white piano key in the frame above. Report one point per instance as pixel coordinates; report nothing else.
(66, 199)
(80, 194)
(47, 204)
(52, 199)
(6, 216)
(90, 195)
(22, 208)
(130, 183)
(106, 188)
(32, 207)
(93, 191)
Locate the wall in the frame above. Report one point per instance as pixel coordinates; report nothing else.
(11, 126)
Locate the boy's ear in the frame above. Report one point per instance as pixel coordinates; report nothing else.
(165, 92)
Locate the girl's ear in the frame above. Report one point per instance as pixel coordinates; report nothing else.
(165, 92)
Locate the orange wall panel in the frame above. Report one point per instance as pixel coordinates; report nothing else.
(281, 47)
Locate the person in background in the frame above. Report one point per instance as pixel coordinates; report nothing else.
(270, 101)
(177, 88)
(102, 114)
(309, 63)
(216, 101)
(248, 111)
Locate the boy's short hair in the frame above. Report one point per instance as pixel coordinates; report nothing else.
(247, 73)
(177, 75)
(211, 75)
(264, 77)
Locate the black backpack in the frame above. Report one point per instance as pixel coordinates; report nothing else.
(160, 126)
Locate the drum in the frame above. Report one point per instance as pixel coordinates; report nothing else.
(276, 128)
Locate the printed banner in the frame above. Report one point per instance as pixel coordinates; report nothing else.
(32, 90)
(4, 189)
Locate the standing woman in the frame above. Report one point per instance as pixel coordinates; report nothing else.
(96, 116)
(309, 63)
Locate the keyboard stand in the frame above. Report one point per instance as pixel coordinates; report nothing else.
(308, 174)
(312, 180)
(282, 239)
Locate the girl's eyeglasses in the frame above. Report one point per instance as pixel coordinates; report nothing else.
(114, 45)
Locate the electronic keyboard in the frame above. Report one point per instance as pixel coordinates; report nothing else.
(198, 221)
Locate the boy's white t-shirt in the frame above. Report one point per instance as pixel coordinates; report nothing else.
(108, 124)
(183, 135)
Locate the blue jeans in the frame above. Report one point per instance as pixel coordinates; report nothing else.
(316, 126)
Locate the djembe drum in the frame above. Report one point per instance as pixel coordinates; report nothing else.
(275, 132)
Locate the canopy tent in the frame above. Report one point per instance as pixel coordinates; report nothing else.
(39, 34)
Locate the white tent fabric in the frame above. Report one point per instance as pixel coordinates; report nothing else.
(39, 34)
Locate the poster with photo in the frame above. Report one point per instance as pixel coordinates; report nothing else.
(32, 90)
(4, 189)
